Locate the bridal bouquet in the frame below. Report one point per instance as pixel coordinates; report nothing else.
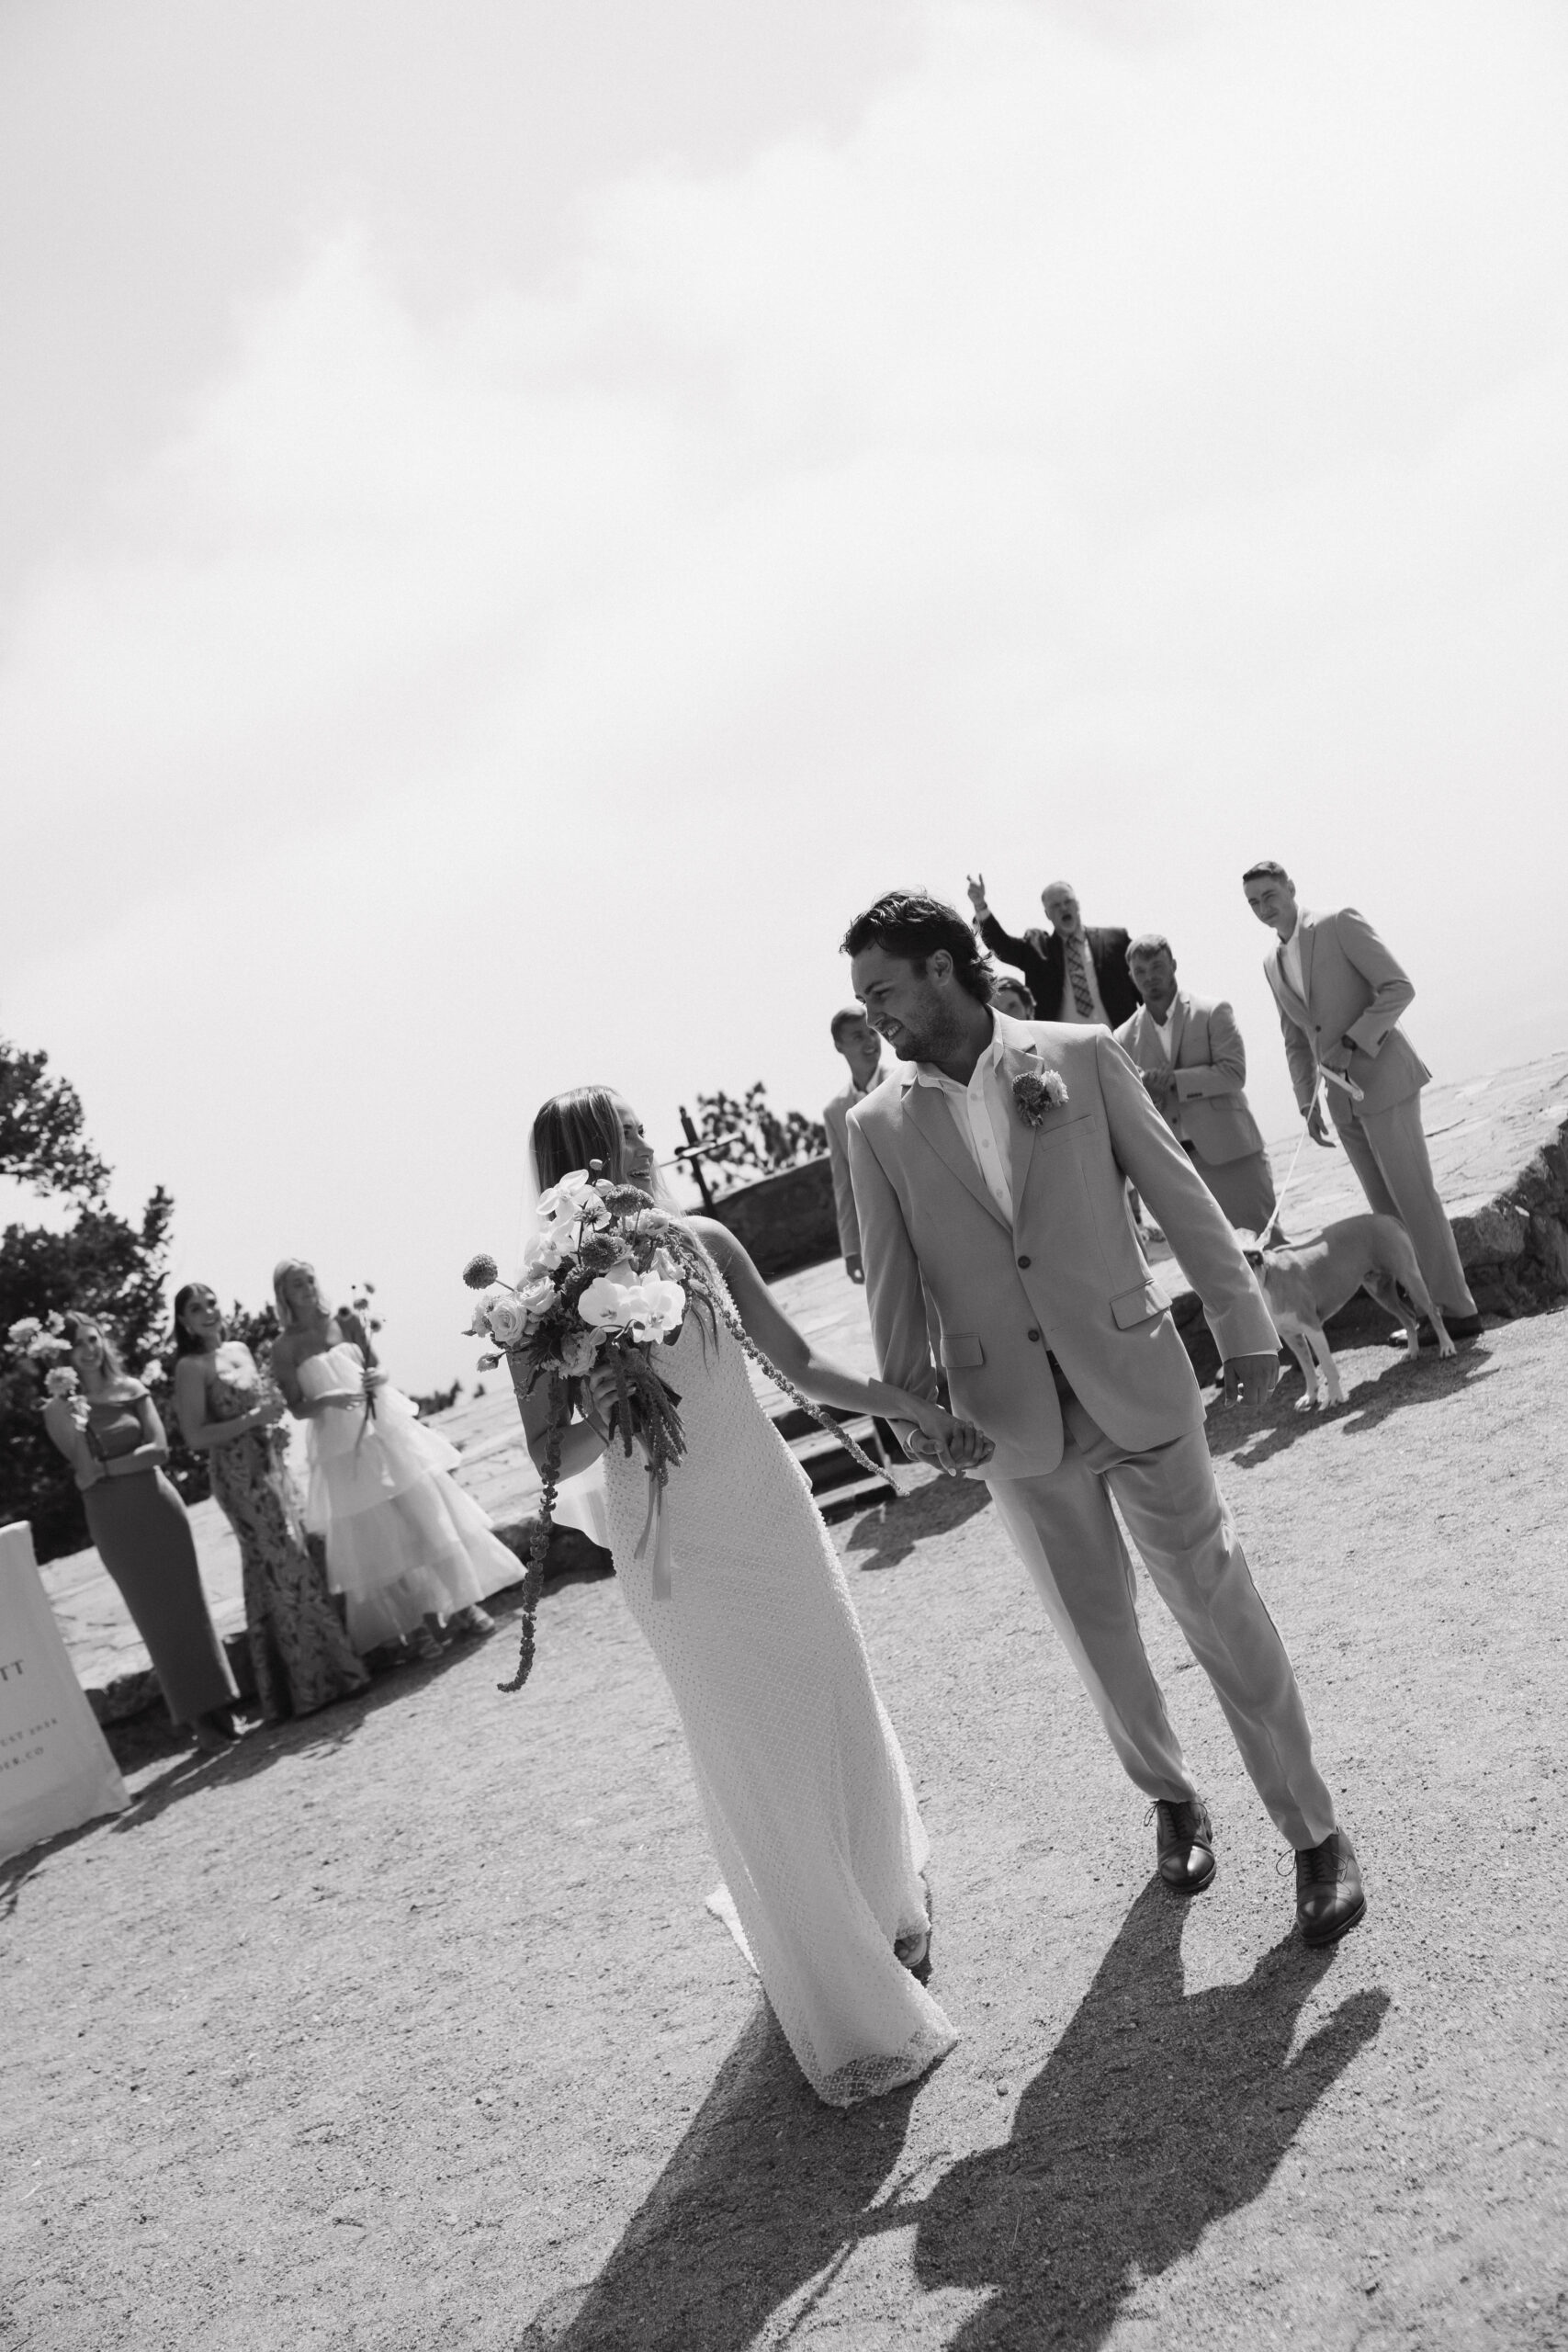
(607, 1279)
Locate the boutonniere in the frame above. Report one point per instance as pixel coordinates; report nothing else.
(1037, 1092)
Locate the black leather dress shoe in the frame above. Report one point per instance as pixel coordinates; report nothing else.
(1184, 1844)
(1329, 1895)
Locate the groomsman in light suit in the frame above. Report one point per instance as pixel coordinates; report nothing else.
(861, 1049)
(1340, 994)
(1194, 1071)
(990, 1182)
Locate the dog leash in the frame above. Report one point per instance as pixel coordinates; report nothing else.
(1280, 1197)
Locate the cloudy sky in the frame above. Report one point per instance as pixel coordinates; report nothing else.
(518, 518)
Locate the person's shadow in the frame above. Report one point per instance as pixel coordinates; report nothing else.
(767, 2188)
(1156, 2115)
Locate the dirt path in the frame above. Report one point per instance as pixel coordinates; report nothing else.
(408, 2029)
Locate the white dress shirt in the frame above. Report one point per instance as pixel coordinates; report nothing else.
(1097, 1016)
(1163, 1032)
(981, 1116)
(1290, 957)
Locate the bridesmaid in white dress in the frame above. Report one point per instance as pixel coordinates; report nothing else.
(405, 1546)
(803, 1785)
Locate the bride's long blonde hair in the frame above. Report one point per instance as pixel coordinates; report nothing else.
(579, 1126)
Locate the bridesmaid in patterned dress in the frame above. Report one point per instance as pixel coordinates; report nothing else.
(302, 1657)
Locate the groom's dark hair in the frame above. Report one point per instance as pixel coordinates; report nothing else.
(912, 925)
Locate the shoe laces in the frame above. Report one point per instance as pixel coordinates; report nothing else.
(1319, 1865)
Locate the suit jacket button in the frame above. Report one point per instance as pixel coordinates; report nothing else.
(1034, 1335)
(1023, 1261)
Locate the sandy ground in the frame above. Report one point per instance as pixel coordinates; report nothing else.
(406, 2028)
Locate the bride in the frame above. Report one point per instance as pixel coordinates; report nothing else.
(802, 1783)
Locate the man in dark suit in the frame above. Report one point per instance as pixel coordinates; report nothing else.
(1074, 975)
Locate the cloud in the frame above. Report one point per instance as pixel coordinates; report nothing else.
(1110, 450)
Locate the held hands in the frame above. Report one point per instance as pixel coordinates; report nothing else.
(1250, 1380)
(955, 1446)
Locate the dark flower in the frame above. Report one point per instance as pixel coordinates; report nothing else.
(480, 1272)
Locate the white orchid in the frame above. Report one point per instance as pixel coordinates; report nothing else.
(649, 1309)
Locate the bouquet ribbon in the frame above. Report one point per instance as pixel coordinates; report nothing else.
(656, 1529)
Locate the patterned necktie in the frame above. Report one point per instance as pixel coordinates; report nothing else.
(1079, 979)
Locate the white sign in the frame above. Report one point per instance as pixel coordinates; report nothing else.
(55, 1766)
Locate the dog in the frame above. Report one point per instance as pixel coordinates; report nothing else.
(1307, 1282)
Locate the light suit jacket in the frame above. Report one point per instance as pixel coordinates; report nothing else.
(1068, 1275)
(1209, 1062)
(1352, 988)
(835, 1118)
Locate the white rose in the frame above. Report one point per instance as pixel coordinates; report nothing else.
(22, 1334)
(508, 1320)
(479, 1325)
(579, 1352)
(537, 1296)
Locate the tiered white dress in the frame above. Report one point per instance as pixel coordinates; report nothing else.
(805, 1789)
(402, 1538)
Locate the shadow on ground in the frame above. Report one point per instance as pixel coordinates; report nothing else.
(883, 1537)
(1403, 1386)
(1156, 2116)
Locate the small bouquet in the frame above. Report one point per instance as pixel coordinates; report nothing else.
(607, 1279)
(1037, 1092)
(41, 1344)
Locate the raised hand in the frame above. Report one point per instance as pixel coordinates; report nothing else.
(976, 889)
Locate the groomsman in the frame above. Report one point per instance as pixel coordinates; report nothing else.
(1194, 1065)
(1340, 994)
(991, 1178)
(861, 1049)
(1074, 975)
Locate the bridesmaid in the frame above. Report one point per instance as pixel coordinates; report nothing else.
(112, 1438)
(302, 1657)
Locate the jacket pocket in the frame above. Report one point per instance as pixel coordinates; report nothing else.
(962, 1350)
(1130, 1307)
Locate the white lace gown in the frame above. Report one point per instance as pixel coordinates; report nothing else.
(804, 1786)
(402, 1539)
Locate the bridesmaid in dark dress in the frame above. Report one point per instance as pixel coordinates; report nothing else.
(302, 1657)
(112, 1437)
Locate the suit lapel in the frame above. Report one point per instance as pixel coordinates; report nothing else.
(1307, 928)
(1016, 1060)
(1282, 982)
(1178, 1024)
(928, 1110)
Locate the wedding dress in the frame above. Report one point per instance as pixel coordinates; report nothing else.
(402, 1539)
(806, 1792)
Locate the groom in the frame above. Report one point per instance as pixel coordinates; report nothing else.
(991, 1183)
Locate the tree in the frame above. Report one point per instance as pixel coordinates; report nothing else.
(103, 1264)
(740, 1140)
(41, 1143)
